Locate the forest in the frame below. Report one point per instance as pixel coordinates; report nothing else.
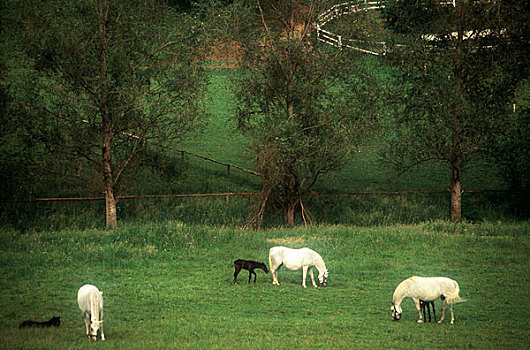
(106, 99)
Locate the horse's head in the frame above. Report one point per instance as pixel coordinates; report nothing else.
(94, 327)
(396, 312)
(323, 278)
(264, 267)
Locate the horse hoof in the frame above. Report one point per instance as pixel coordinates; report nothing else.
(420, 321)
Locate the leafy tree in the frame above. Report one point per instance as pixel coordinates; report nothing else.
(459, 66)
(299, 102)
(509, 150)
(89, 83)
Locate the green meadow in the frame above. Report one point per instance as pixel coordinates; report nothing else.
(169, 286)
(166, 273)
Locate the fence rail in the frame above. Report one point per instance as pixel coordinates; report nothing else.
(183, 152)
(352, 7)
(243, 194)
(339, 10)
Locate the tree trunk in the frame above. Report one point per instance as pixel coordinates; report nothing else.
(456, 163)
(456, 190)
(106, 123)
(110, 201)
(288, 212)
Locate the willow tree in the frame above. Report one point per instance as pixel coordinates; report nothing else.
(299, 101)
(459, 65)
(102, 78)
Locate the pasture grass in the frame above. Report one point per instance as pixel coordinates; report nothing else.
(168, 285)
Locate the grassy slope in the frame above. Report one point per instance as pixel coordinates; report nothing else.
(170, 286)
(222, 142)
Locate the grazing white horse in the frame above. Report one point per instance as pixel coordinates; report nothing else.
(427, 289)
(90, 301)
(294, 259)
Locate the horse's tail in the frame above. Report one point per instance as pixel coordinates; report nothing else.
(455, 297)
(270, 261)
(458, 300)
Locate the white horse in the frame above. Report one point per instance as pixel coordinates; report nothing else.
(427, 289)
(90, 301)
(294, 259)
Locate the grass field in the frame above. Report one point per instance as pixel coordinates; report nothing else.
(169, 286)
(167, 272)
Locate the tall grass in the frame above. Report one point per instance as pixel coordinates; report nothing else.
(169, 285)
(358, 210)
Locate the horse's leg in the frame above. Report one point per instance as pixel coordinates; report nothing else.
(422, 307)
(236, 272)
(452, 307)
(101, 325)
(312, 277)
(251, 272)
(304, 273)
(434, 311)
(428, 311)
(418, 309)
(444, 308)
(86, 317)
(274, 273)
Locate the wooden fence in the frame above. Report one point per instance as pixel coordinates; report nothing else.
(351, 7)
(246, 194)
(339, 10)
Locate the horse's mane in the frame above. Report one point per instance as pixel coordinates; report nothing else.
(402, 288)
(96, 302)
(320, 260)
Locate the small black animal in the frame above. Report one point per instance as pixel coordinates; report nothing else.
(54, 321)
(426, 305)
(250, 266)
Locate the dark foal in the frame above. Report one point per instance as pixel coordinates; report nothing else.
(54, 321)
(250, 266)
(427, 305)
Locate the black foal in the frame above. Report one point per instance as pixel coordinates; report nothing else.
(54, 321)
(426, 305)
(250, 266)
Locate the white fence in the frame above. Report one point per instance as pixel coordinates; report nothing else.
(339, 10)
(346, 8)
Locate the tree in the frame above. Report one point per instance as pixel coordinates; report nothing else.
(100, 79)
(459, 66)
(299, 102)
(509, 149)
